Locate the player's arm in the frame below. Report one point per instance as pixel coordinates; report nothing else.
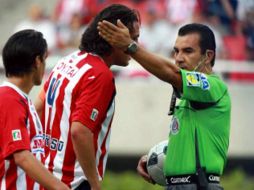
(82, 139)
(35, 169)
(118, 36)
(39, 102)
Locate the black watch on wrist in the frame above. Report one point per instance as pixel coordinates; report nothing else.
(132, 48)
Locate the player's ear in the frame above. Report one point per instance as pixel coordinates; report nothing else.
(37, 62)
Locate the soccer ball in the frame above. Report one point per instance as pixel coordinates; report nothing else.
(155, 160)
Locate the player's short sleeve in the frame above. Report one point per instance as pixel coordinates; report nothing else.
(14, 133)
(96, 93)
(201, 87)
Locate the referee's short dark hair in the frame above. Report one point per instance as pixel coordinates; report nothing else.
(91, 40)
(20, 51)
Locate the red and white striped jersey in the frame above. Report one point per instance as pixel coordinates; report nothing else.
(80, 88)
(20, 130)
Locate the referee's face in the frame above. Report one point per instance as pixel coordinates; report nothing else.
(187, 52)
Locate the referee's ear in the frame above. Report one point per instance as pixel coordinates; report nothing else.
(209, 56)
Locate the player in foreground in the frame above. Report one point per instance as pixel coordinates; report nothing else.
(21, 134)
(77, 104)
(199, 135)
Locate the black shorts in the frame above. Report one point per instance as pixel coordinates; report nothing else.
(84, 186)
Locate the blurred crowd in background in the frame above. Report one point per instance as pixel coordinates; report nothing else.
(231, 20)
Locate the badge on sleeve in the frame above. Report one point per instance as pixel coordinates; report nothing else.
(94, 114)
(193, 79)
(196, 79)
(205, 83)
(16, 135)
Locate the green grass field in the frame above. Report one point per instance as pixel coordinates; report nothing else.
(236, 180)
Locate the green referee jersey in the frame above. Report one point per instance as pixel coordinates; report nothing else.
(205, 106)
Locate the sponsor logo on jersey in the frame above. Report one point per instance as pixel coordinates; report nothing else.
(176, 180)
(214, 178)
(53, 143)
(37, 144)
(174, 126)
(16, 135)
(94, 114)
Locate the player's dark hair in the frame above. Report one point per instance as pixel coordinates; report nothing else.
(207, 39)
(21, 50)
(91, 40)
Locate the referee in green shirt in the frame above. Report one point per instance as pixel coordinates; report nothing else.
(200, 126)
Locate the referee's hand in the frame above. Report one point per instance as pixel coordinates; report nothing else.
(142, 170)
